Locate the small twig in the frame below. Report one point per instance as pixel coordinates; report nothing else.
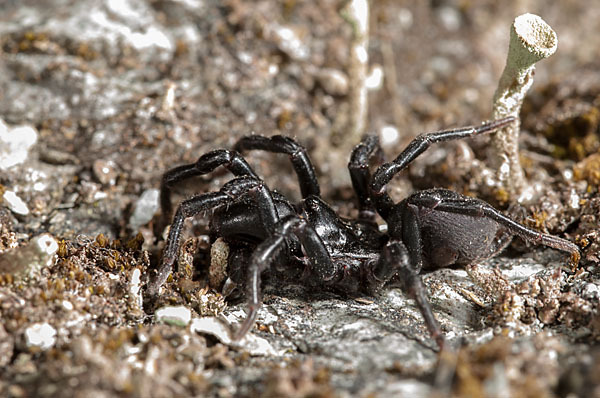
(391, 82)
(356, 13)
(472, 296)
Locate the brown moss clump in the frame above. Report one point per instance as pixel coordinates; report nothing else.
(542, 298)
(32, 42)
(505, 367)
(575, 132)
(299, 379)
(588, 233)
(589, 170)
(567, 113)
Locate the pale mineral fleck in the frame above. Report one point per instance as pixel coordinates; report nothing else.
(41, 335)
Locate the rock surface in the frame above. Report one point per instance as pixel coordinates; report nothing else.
(117, 92)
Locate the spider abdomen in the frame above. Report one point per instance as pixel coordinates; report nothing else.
(457, 239)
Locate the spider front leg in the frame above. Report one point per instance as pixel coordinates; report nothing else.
(305, 171)
(233, 161)
(403, 256)
(230, 192)
(319, 261)
(396, 260)
(358, 166)
(384, 174)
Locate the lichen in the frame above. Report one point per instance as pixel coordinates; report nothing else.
(531, 40)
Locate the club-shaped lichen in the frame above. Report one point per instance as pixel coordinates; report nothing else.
(531, 40)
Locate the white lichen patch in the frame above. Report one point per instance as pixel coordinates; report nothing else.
(41, 335)
(254, 345)
(45, 247)
(15, 203)
(15, 143)
(135, 286)
(175, 315)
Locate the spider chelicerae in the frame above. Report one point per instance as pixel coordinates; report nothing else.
(309, 243)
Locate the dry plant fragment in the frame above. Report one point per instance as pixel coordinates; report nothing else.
(356, 13)
(531, 40)
(217, 272)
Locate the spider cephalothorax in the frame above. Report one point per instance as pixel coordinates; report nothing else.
(430, 229)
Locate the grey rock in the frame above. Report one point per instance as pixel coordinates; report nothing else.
(144, 208)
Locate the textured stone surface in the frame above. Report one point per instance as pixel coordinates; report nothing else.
(119, 91)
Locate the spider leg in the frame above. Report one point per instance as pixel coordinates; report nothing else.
(233, 161)
(403, 256)
(358, 167)
(302, 165)
(384, 174)
(268, 250)
(230, 192)
(397, 260)
(476, 208)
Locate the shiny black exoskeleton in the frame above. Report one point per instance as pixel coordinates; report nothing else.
(309, 242)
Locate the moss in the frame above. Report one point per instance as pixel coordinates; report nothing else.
(101, 240)
(588, 170)
(39, 42)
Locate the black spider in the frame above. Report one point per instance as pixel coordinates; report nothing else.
(310, 243)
